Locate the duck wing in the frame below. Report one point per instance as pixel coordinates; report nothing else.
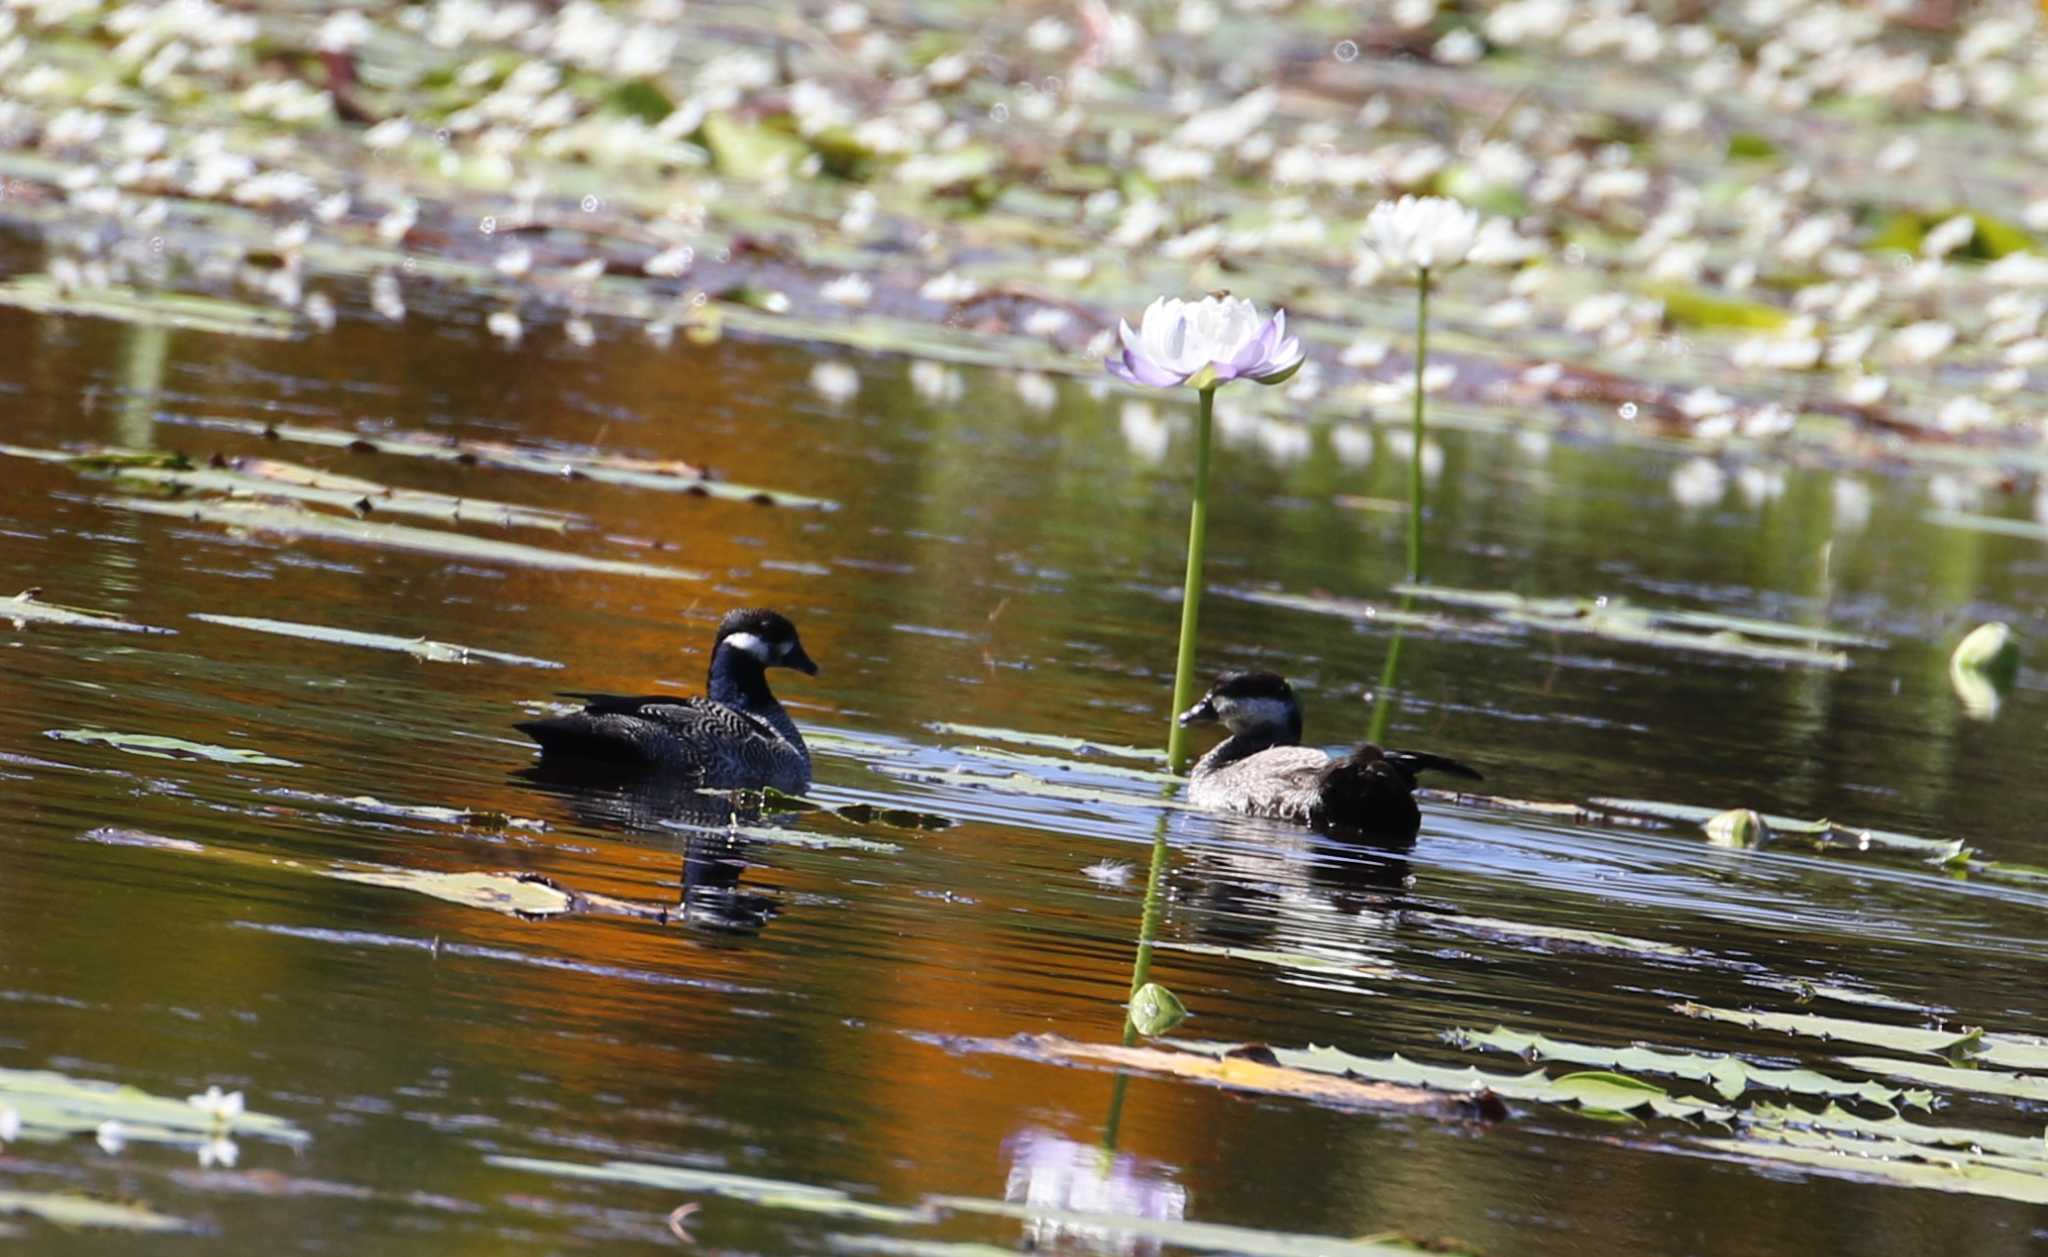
(1413, 762)
(691, 734)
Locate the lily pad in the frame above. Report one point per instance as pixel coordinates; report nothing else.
(57, 1106)
(766, 1192)
(1730, 1076)
(297, 522)
(1078, 747)
(667, 476)
(86, 1212)
(1825, 836)
(418, 647)
(44, 295)
(1915, 1039)
(264, 478)
(157, 746)
(1591, 940)
(1991, 1082)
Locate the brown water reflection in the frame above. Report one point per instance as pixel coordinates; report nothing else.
(989, 564)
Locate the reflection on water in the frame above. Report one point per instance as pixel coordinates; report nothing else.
(703, 824)
(1004, 560)
(1052, 1172)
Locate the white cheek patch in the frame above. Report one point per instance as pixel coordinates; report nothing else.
(1253, 713)
(748, 643)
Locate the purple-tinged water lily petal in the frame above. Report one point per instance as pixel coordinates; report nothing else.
(1257, 350)
(1129, 336)
(1137, 369)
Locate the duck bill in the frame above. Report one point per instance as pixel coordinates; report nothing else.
(1201, 713)
(796, 658)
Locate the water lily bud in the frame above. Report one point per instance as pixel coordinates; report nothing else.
(1984, 667)
(1156, 1010)
(1989, 648)
(1739, 829)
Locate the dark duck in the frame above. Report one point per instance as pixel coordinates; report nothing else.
(735, 736)
(1262, 769)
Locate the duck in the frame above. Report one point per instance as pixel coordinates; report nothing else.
(1262, 769)
(734, 736)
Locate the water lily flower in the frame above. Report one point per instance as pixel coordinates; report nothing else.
(222, 1106)
(220, 1151)
(111, 1136)
(1205, 343)
(1422, 233)
(10, 1124)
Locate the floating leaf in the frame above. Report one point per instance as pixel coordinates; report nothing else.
(749, 150)
(418, 647)
(1890, 1161)
(767, 1192)
(1212, 1237)
(1694, 307)
(1917, 1039)
(667, 476)
(1596, 940)
(57, 1106)
(1993, 1082)
(27, 607)
(521, 895)
(297, 522)
(1740, 828)
(267, 479)
(1729, 1076)
(1819, 835)
(66, 1210)
(1074, 746)
(44, 295)
(158, 747)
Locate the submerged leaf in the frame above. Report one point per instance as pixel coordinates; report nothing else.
(766, 1192)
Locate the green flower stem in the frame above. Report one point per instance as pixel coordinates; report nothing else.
(1383, 693)
(1191, 593)
(1415, 454)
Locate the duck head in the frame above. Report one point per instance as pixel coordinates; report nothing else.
(764, 636)
(1249, 702)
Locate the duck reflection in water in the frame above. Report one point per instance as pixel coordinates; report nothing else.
(654, 805)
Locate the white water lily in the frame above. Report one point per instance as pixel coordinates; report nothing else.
(220, 1151)
(111, 1136)
(10, 1124)
(1205, 343)
(1422, 233)
(222, 1106)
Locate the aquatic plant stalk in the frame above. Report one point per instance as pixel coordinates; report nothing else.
(1415, 450)
(1191, 590)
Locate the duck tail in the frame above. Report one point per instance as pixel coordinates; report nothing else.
(1413, 762)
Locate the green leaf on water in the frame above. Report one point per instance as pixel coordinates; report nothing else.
(1896, 1162)
(750, 150)
(27, 607)
(664, 475)
(1729, 1076)
(1915, 1039)
(1178, 1233)
(298, 523)
(57, 1106)
(43, 295)
(1596, 940)
(1823, 836)
(1080, 747)
(418, 647)
(767, 1192)
(1994, 1082)
(158, 747)
(1686, 306)
(265, 478)
(85, 1212)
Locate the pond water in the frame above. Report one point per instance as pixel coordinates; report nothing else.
(826, 1013)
